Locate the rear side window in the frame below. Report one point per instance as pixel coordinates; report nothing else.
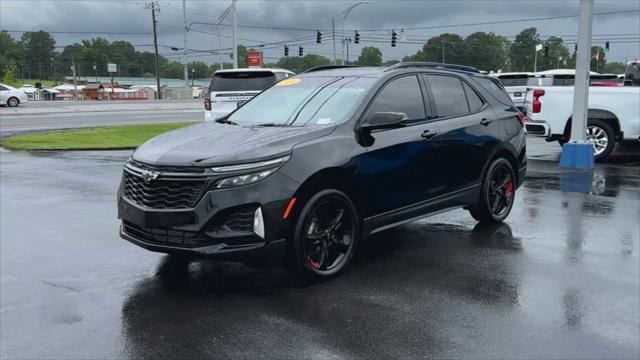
(514, 80)
(401, 95)
(494, 87)
(2, 88)
(242, 81)
(448, 95)
(475, 103)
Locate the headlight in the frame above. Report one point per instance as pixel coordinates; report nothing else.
(277, 162)
(244, 179)
(260, 169)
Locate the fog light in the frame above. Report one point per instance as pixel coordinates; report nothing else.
(258, 223)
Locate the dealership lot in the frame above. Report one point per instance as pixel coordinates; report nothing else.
(561, 279)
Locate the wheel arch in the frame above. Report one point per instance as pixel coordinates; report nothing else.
(601, 114)
(503, 151)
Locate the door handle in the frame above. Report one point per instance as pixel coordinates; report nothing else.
(485, 122)
(428, 134)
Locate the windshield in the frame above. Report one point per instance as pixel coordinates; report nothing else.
(304, 101)
(242, 81)
(514, 80)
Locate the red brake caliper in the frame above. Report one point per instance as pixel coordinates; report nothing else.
(313, 263)
(508, 189)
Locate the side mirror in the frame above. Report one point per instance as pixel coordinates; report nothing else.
(384, 120)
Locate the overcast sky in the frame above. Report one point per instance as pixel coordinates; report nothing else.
(93, 18)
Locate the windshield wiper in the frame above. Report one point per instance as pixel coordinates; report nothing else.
(225, 121)
(271, 125)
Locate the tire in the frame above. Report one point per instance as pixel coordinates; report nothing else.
(13, 102)
(314, 251)
(497, 193)
(601, 135)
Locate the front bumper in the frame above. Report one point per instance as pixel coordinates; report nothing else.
(206, 230)
(538, 128)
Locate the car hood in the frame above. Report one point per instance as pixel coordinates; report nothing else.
(213, 143)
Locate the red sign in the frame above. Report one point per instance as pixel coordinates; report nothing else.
(254, 58)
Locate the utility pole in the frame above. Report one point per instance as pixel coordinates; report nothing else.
(220, 20)
(184, 48)
(155, 7)
(234, 8)
(442, 48)
(75, 83)
(333, 34)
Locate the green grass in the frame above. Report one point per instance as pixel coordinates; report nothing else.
(99, 138)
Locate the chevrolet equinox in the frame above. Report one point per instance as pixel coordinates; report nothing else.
(317, 162)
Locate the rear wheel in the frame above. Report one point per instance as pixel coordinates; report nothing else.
(13, 102)
(325, 236)
(601, 136)
(497, 193)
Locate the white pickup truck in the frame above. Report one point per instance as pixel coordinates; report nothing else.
(614, 115)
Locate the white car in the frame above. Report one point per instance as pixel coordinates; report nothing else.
(11, 96)
(232, 88)
(516, 85)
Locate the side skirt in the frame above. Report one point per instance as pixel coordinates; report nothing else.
(457, 199)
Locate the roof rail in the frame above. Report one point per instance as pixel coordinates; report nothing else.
(432, 65)
(327, 67)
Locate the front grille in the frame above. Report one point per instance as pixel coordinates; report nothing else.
(166, 169)
(177, 238)
(163, 193)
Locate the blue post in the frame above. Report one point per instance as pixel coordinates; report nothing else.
(577, 156)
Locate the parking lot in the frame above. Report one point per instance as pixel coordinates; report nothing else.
(560, 279)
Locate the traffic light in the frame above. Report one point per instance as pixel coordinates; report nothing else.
(318, 37)
(356, 39)
(606, 46)
(546, 51)
(286, 50)
(575, 48)
(300, 51)
(394, 38)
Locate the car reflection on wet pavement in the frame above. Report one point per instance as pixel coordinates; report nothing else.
(560, 279)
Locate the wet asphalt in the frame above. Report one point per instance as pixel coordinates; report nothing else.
(560, 279)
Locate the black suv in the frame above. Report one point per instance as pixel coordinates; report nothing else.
(314, 164)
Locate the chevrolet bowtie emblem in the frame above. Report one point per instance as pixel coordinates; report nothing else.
(149, 176)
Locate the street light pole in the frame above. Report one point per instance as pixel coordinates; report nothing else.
(220, 20)
(345, 13)
(234, 8)
(184, 48)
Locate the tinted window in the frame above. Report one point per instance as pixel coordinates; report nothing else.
(242, 81)
(448, 95)
(494, 87)
(2, 88)
(632, 75)
(514, 80)
(402, 95)
(475, 103)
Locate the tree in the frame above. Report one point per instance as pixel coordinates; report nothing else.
(370, 56)
(614, 68)
(522, 50)
(10, 52)
(198, 69)
(39, 54)
(172, 70)
(10, 76)
(550, 58)
(452, 44)
(299, 64)
(486, 51)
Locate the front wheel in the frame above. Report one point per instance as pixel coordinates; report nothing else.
(497, 193)
(324, 237)
(13, 102)
(601, 136)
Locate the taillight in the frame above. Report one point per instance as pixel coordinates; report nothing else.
(207, 101)
(521, 118)
(537, 105)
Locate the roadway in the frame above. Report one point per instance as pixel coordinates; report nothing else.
(38, 116)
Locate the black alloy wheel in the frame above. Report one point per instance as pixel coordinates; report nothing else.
(498, 193)
(325, 235)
